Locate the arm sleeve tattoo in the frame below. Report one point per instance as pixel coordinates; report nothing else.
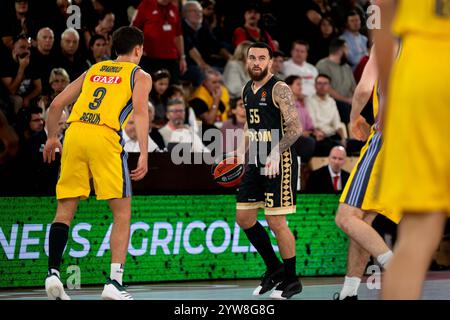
(284, 97)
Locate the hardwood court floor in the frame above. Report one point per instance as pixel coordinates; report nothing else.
(437, 287)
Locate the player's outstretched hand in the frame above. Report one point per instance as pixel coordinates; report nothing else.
(51, 147)
(141, 169)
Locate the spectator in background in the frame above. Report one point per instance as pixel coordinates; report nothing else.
(236, 121)
(202, 48)
(35, 145)
(320, 46)
(19, 75)
(153, 132)
(103, 28)
(330, 178)
(305, 145)
(44, 56)
(356, 42)
(328, 130)
(215, 20)
(342, 81)
(163, 38)
(209, 16)
(235, 75)
(8, 139)
(339, 10)
(19, 23)
(30, 122)
(131, 140)
(59, 80)
(298, 66)
(176, 92)
(97, 50)
(68, 58)
(176, 131)
(278, 65)
(211, 101)
(161, 80)
(251, 30)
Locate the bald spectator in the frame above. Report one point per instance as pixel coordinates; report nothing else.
(19, 75)
(330, 178)
(69, 58)
(44, 56)
(298, 66)
(163, 38)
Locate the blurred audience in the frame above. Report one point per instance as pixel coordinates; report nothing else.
(19, 75)
(235, 75)
(164, 44)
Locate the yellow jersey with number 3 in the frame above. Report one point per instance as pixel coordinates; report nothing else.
(429, 18)
(106, 95)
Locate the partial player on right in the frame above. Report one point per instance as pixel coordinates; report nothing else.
(416, 165)
(358, 206)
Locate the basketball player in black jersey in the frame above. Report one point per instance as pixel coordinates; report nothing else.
(270, 179)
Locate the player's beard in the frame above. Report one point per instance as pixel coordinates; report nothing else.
(260, 76)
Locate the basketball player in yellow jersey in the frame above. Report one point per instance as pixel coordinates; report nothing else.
(358, 206)
(93, 146)
(416, 163)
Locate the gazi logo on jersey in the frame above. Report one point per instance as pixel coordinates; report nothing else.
(106, 79)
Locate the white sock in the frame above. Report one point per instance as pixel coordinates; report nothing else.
(350, 288)
(116, 272)
(383, 259)
(55, 272)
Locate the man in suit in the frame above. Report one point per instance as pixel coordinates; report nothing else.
(330, 178)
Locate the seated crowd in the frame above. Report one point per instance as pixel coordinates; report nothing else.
(196, 54)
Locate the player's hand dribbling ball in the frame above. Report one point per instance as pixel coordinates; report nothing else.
(228, 172)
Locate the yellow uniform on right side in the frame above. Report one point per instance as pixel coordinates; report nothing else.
(416, 161)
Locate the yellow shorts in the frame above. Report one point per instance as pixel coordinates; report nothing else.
(416, 162)
(93, 151)
(360, 189)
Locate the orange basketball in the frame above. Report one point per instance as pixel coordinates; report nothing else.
(228, 172)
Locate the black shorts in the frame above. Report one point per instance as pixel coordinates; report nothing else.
(277, 196)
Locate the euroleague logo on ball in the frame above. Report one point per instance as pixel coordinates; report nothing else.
(228, 172)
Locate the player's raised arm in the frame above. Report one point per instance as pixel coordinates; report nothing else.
(68, 96)
(141, 91)
(284, 97)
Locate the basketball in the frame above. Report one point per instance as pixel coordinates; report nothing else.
(228, 172)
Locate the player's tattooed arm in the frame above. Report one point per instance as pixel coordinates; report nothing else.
(284, 97)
